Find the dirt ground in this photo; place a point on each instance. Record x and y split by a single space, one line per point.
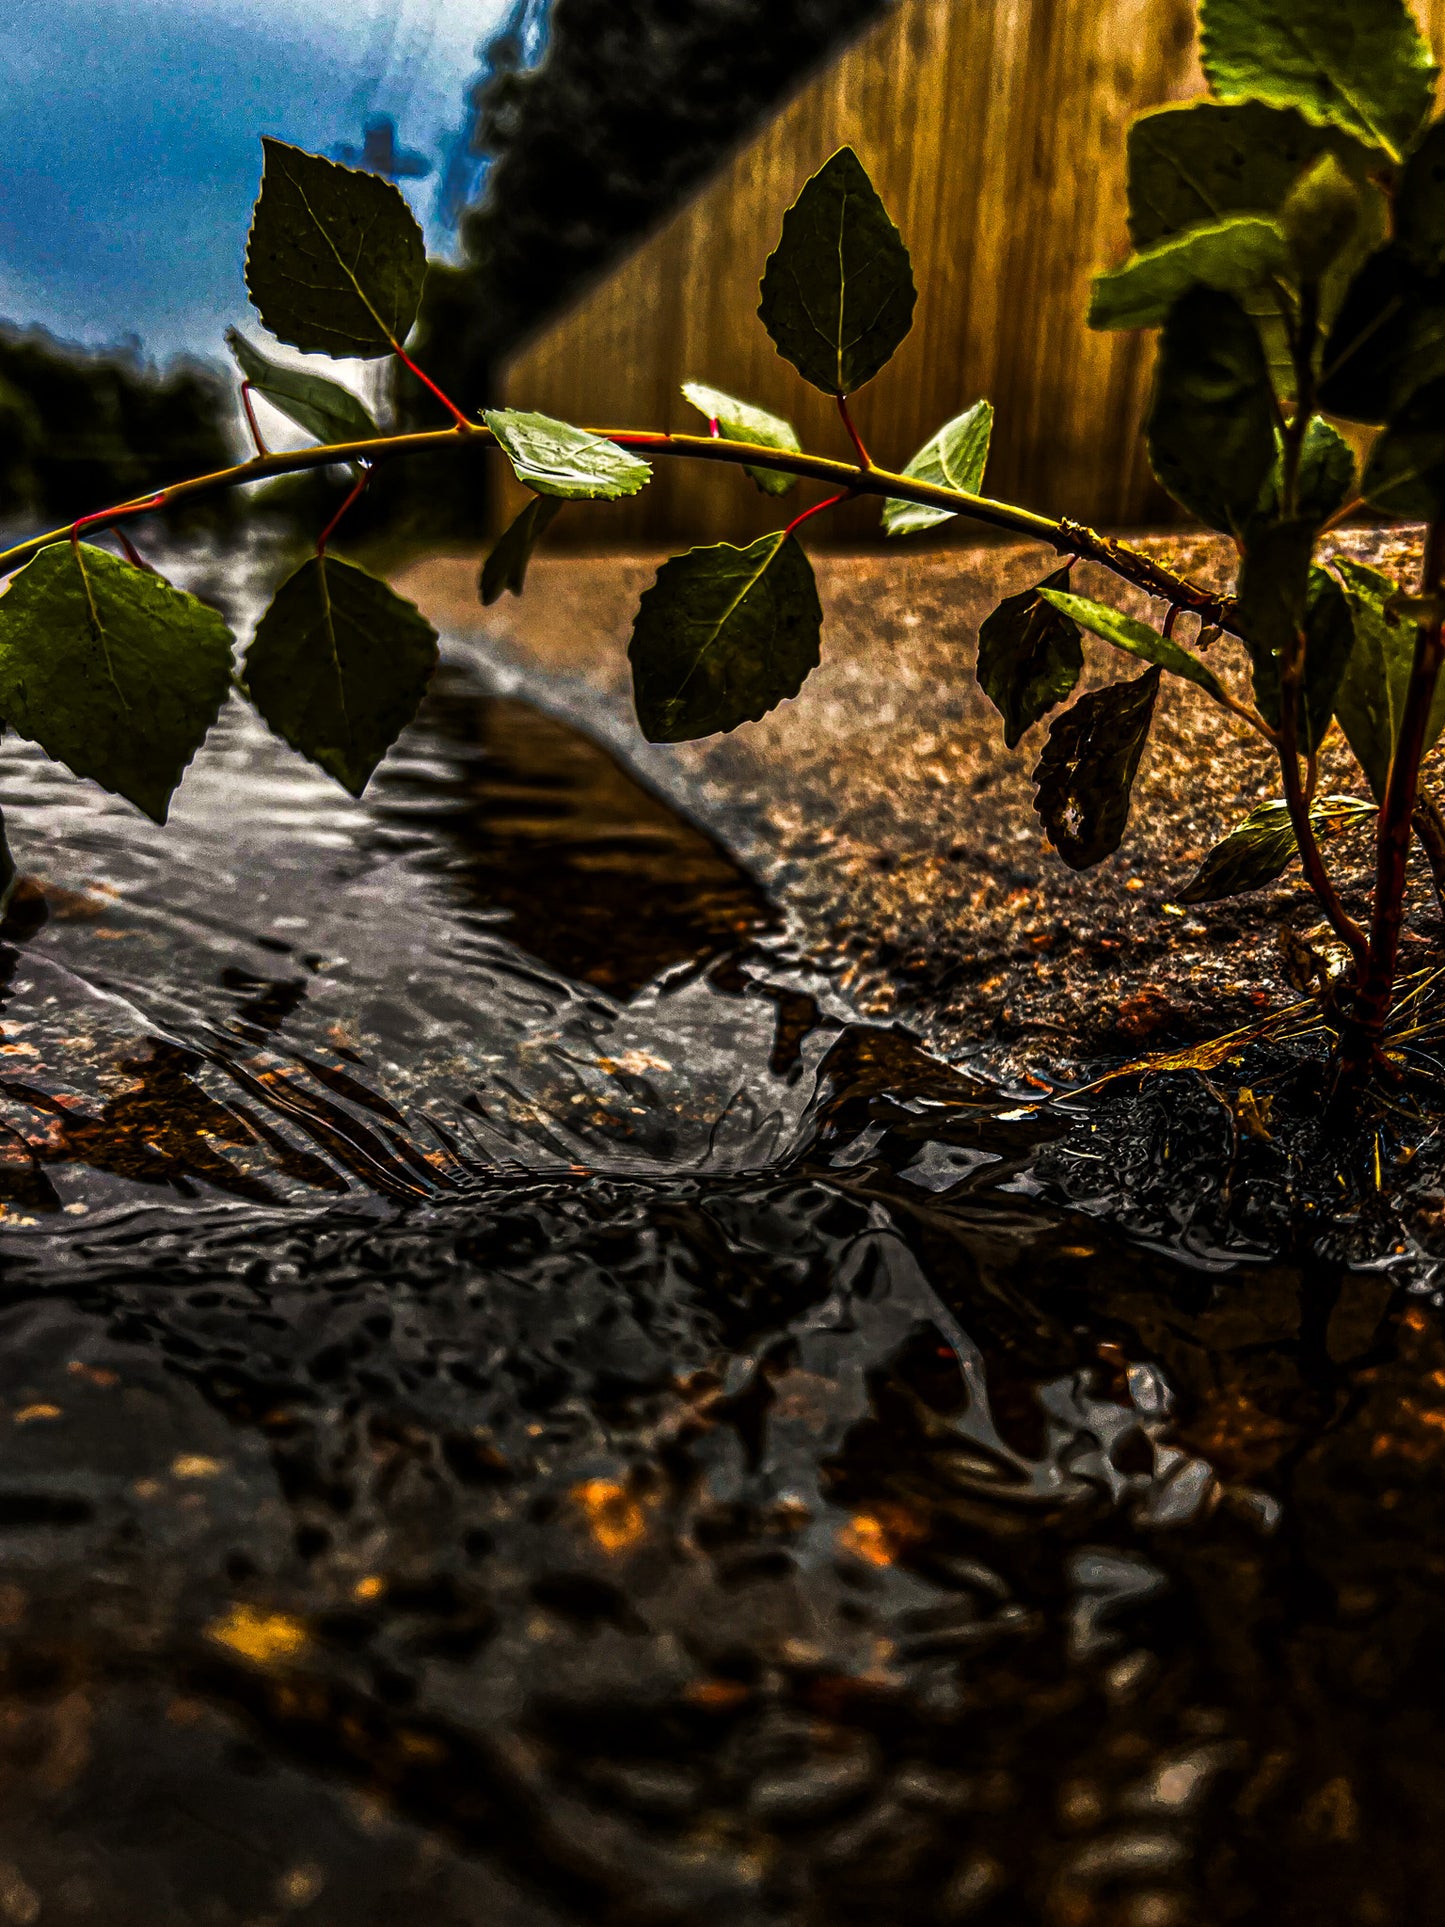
882 811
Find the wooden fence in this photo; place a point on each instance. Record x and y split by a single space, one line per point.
994 130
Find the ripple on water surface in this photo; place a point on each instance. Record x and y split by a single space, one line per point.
515 1409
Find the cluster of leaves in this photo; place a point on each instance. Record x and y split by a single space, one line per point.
1289 236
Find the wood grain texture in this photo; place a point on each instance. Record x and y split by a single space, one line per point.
994 130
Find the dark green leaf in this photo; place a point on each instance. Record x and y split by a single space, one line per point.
338 666
1387 340
112 671
722 637
1261 848
1135 638
740 421
554 458
1274 582
1370 700
954 458
335 260
1329 640
1320 215
1405 475
1420 204
1202 161
322 407
1086 773
1326 476
505 569
1235 255
1211 426
1360 65
1029 656
838 293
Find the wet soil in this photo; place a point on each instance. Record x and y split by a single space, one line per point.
527 1395
897 832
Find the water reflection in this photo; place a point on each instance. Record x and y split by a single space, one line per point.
512 1419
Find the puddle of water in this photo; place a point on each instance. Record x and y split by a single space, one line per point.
515 1408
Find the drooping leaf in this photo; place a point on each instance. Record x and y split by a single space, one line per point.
1405 474
554 458
322 407
1234 256
505 569
1135 638
338 665
1360 65
723 636
1388 339
1085 776
111 670
1202 161
1274 581
1325 479
1029 656
1262 848
1329 641
1370 700
1211 428
838 293
335 260
953 458
740 421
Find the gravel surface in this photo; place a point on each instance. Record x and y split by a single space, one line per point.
898 834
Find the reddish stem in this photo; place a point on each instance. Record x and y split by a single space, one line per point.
1171 619
111 516
864 458
261 448
133 554
331 527
426 381
817 509
714 427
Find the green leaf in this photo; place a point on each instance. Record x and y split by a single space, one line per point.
1211 428
322 407
1086 774
1320 215
1135 639
1370 701
338 666
1405 475
111 670
1360 65
838 293
1329 641
1235 255
553 458
740 421
1274 583
1388 340
722 637
1262 848
1325 479
335 260
1029 656
1201 161
954 458
505 569
1420 204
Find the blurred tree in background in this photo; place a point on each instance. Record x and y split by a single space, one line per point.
80 428
633 104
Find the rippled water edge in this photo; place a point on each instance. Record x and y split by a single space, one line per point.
517 1406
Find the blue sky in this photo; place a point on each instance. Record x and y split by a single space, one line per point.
130 152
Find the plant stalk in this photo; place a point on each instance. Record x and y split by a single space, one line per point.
1371 1005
